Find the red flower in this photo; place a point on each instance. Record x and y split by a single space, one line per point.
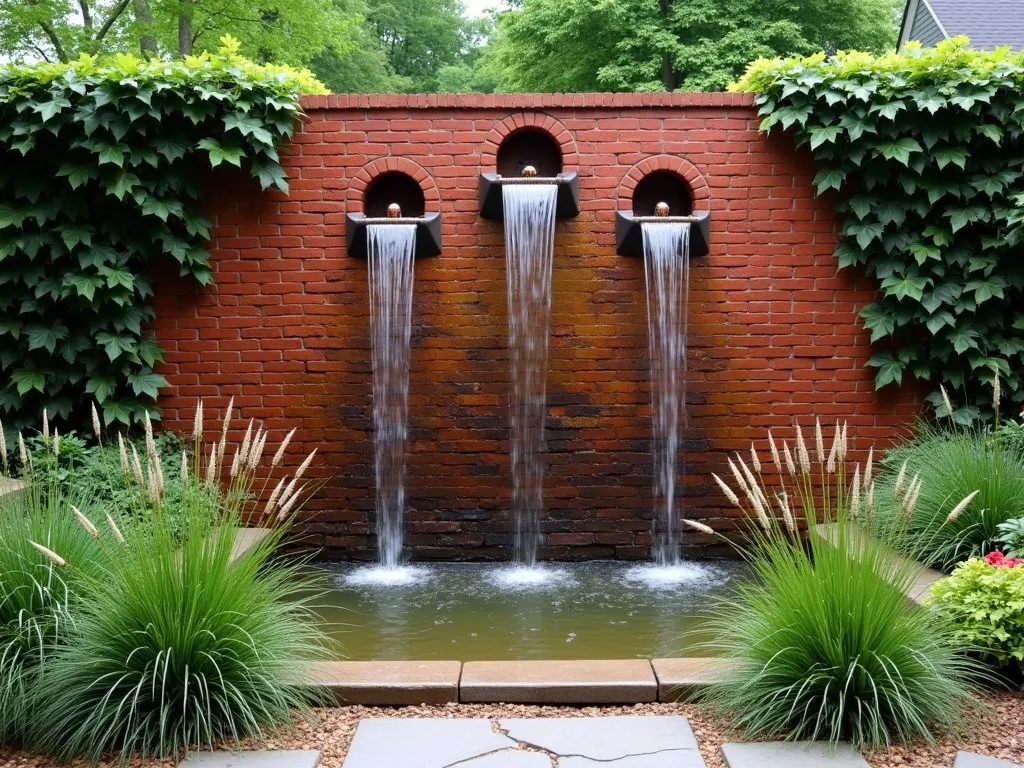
998 559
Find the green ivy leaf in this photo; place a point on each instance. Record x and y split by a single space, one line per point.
986 289
890 370
865 233
899 149
101 387
877 320
27 380
146 383
936 323
115 345
219 153
955 155
44 337
911 286
923 252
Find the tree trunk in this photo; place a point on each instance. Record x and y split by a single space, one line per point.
668 74
185 35
144 18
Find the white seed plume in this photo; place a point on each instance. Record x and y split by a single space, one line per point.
841 451
995 392
150 443
234 463
700 527
96 428
286 494
281 449
49 554
830 466
789 459
755 462
3 446
211 465
740 480
184 468
286 507
729 494
855 494
801 452
871 499
243 451
152 485
900 477
961 506
305 464
945 401
752 485
787 514
819 441
227 422
159 475
137 469
118 536
259 445
22 452
272 501
910 500
775 452
46 427
124 453
197 423
56 443
762 516
85 523
868 467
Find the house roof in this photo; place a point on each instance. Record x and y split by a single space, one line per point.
988 23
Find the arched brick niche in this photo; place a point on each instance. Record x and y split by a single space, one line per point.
544 135
663 178
392 177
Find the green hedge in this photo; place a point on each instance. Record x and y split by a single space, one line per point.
927 150
102 164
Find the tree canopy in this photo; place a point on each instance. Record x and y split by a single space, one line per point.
643 45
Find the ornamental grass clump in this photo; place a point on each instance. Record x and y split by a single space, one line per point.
955 461
824 644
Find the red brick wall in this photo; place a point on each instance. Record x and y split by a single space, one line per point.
773 331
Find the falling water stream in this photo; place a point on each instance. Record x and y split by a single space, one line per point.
529 245
667 270
390 250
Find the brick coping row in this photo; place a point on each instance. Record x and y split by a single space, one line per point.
524 100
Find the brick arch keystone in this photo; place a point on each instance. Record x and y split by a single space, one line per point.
369 172
683 168
523 120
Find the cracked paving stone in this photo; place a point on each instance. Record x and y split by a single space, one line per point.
792 754
509 758
622 742
426 743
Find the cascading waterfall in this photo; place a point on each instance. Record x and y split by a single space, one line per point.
390 249
529 244
667 272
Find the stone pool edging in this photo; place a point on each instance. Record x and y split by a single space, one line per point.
586 681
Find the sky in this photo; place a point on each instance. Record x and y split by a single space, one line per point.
476 7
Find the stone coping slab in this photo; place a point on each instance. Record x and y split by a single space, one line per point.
246 539
625 681
792 754
395 683
622 741
971 760
267 759
680 678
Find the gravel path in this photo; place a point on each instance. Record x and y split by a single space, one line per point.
331 731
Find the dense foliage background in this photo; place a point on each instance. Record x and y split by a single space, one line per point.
101 173
927 150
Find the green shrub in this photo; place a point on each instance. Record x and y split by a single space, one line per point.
824 643
985 602
926 147
103 164
1011 536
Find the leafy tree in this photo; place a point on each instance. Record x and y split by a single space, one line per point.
420 36
364 68
627 45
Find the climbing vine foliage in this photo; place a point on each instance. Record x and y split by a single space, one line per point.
102 164
926 150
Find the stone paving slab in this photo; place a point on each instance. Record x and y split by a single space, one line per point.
792 754
625 681
971 760
622 742
394 683
268 759
679 678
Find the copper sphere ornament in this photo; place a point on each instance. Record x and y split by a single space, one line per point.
529 171
394 211
661 209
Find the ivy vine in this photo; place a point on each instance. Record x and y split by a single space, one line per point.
102 169
926 148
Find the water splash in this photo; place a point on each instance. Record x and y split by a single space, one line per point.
390 250
529 246
667 271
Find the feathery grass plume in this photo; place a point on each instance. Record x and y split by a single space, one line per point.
789 459
819 441
123 452
85 522
279 454
869 503
152 485
801 452
699 527
151 454
830 465
272 501
900 479
197 423
755 462
49 554
945 402
910 500
97 429
243 451
3 449
959 508
23 453
753 485
286 506
305 464
184 467
995 393
729 494
234 463
821 645
224 428
46 428
842 450
259 446
118 536
775 452
868 468
211 466
855 494
137 469
56 444
740 480
287 492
